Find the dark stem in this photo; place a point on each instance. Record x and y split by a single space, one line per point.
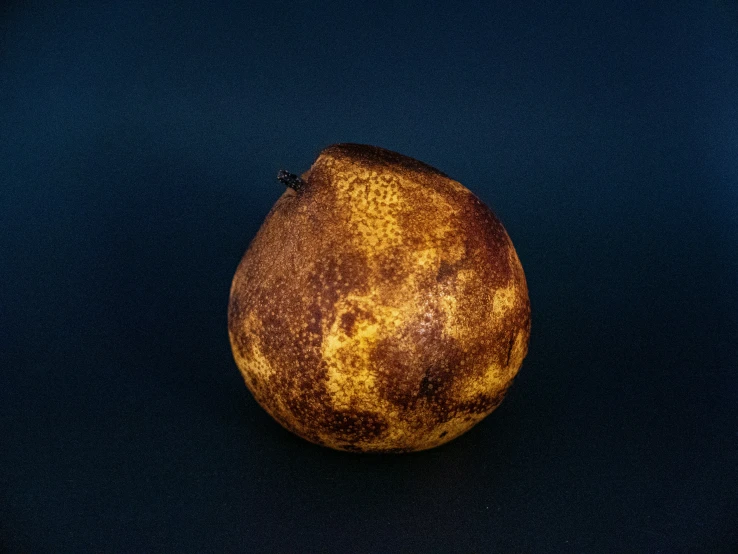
291 180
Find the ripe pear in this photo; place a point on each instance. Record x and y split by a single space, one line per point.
381 307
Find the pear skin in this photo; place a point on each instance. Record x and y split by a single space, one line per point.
381 307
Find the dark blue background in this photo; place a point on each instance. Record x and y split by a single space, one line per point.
138 153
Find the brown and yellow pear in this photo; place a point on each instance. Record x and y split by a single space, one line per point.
381 307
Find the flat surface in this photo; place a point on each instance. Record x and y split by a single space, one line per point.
140 145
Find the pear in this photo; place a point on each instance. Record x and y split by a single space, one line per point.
381 307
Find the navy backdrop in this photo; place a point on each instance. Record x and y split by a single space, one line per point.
139 144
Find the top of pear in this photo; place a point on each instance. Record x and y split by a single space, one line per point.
368 155
364 156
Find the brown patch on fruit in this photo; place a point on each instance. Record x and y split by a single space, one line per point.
510 345
352 426
486 241
347 322
420 366
389 271
446 271
482 403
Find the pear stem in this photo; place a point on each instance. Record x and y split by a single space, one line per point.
291 180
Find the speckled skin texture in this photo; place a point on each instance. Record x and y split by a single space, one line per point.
382 308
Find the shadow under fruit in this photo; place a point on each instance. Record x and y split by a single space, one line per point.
381 307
